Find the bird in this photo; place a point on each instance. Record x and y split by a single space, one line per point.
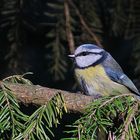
99 74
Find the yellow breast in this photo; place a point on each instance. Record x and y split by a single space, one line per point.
97 81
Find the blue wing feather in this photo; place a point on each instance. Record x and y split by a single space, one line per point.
121 78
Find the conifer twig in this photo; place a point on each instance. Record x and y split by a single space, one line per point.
68 27
85 25
128 121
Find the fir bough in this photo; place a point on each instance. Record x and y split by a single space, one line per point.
16 125
114 117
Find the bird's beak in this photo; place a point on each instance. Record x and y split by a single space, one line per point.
71 55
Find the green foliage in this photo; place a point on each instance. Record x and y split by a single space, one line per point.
113 117
12 20
18 79
57 35
16 125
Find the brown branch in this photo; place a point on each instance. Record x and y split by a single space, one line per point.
128 121
68 27
39 95
85 25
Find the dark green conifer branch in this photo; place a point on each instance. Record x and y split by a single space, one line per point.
114 117
16 125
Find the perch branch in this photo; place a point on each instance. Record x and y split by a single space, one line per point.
38 95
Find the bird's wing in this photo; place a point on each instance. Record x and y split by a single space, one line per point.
121 78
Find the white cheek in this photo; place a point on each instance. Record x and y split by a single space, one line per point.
85 61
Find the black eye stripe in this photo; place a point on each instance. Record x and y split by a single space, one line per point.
87 53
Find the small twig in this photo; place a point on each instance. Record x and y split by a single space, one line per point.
128 121
110 100
79 136
115 97
111 136
68 27
85 25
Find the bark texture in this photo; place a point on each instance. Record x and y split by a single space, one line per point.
35 94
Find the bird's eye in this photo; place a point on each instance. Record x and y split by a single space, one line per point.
84 53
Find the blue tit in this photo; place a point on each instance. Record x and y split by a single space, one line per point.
99 74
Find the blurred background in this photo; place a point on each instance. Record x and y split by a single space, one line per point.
37 36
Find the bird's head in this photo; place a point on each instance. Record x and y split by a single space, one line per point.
87 55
